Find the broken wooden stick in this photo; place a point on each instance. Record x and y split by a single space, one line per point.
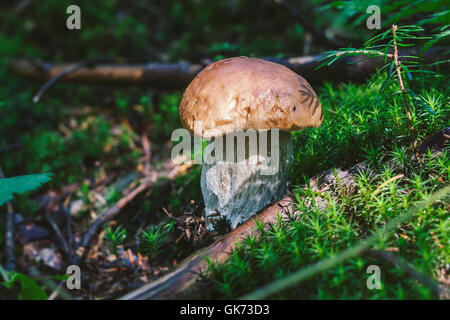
158 75
169 76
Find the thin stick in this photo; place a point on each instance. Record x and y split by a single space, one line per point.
51 284
90 62
381 186
9 236
402 88
59 235
111 212
105 216
68 229
9 240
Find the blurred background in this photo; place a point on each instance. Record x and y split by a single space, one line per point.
156 31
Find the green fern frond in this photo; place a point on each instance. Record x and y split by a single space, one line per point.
21 184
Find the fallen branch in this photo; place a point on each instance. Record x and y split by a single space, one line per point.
169 76
158 75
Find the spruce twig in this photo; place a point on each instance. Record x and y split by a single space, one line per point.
403 90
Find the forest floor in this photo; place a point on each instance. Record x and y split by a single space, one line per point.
119 208
101 149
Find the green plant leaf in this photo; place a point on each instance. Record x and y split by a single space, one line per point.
29 290
21 184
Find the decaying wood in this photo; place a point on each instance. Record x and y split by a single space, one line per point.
169 76
185 275
158 75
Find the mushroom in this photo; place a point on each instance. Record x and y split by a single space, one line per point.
227 100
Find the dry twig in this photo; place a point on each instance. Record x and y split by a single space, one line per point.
403 90
111 212
70 69
9 237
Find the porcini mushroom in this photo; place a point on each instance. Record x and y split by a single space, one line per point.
241 94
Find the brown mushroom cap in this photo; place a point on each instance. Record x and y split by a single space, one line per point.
248 93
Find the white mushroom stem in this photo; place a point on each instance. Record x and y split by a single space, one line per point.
236 191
